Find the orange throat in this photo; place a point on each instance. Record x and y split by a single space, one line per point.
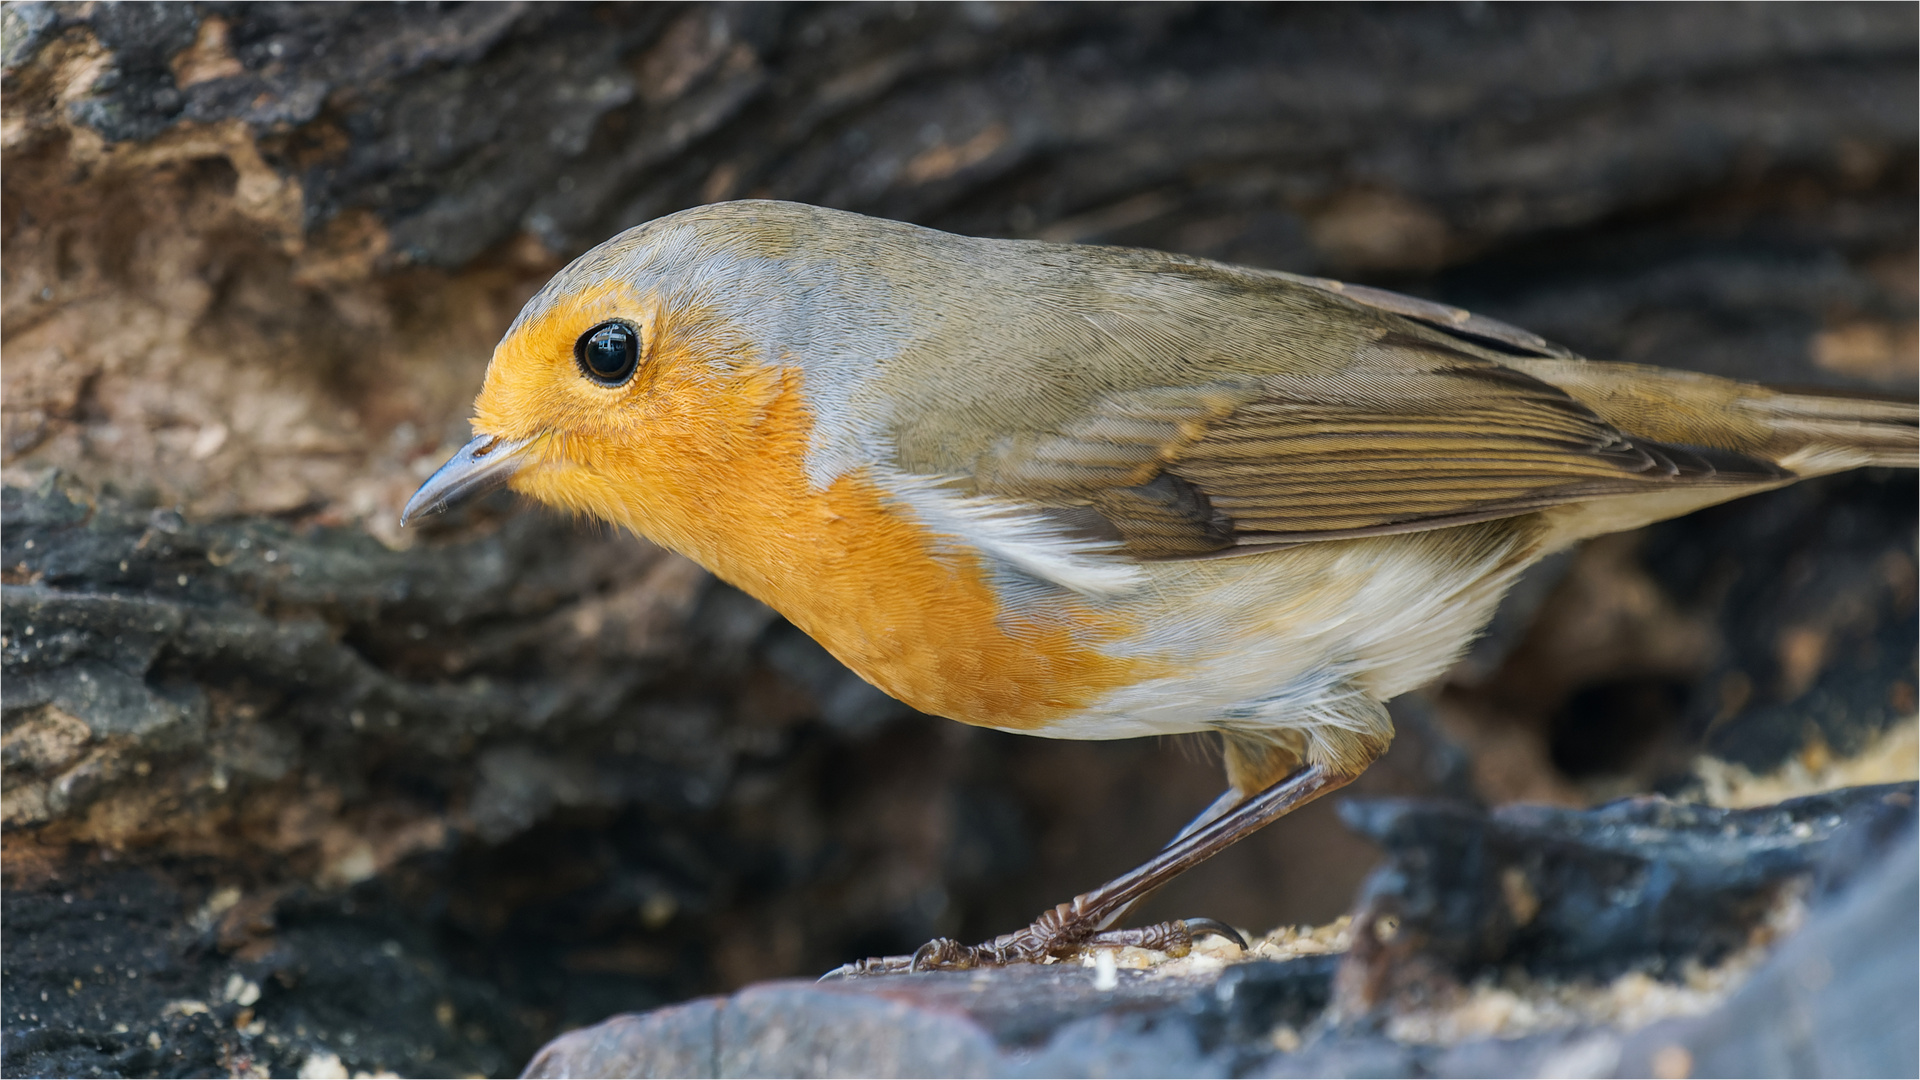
726 485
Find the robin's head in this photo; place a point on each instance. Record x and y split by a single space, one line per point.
666 348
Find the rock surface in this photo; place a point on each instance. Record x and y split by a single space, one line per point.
1641 886
263 751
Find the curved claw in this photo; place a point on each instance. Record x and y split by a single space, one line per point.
1197 927
873 965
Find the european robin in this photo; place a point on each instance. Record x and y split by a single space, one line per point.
1094 492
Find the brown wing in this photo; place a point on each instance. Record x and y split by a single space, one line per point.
1363 451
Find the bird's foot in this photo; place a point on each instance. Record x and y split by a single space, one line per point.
1074 927
1061 934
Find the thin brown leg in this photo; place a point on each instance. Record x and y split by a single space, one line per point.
1226 802
1074 926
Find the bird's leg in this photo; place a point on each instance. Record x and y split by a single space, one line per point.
1228 799
1077 925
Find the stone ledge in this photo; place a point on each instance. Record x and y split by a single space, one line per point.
1448 993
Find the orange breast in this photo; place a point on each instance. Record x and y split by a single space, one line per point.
720 477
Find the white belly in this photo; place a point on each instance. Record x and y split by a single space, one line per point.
1303 637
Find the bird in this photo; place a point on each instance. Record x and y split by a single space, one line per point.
1091 492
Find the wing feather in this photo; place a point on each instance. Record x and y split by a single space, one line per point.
1421 436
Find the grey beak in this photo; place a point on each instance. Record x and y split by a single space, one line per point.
485 463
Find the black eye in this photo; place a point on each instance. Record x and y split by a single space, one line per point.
608 352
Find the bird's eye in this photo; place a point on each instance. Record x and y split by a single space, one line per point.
608 352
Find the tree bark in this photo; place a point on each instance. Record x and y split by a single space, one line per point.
256 257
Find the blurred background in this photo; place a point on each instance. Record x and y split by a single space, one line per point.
282 780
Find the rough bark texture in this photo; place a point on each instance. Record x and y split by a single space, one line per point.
1688 870
284 785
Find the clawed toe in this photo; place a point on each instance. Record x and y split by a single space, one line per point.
1173 938
1202 927
1054 936
940 954
872 965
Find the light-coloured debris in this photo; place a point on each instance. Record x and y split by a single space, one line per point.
1517 1005
1893 757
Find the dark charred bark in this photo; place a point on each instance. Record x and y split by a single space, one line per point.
419 801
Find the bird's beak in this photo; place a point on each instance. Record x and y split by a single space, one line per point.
485 463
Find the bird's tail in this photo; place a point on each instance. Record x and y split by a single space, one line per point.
1809 432
1823 432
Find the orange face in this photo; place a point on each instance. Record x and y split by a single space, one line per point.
702 448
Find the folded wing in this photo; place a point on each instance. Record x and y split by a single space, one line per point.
1417 434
